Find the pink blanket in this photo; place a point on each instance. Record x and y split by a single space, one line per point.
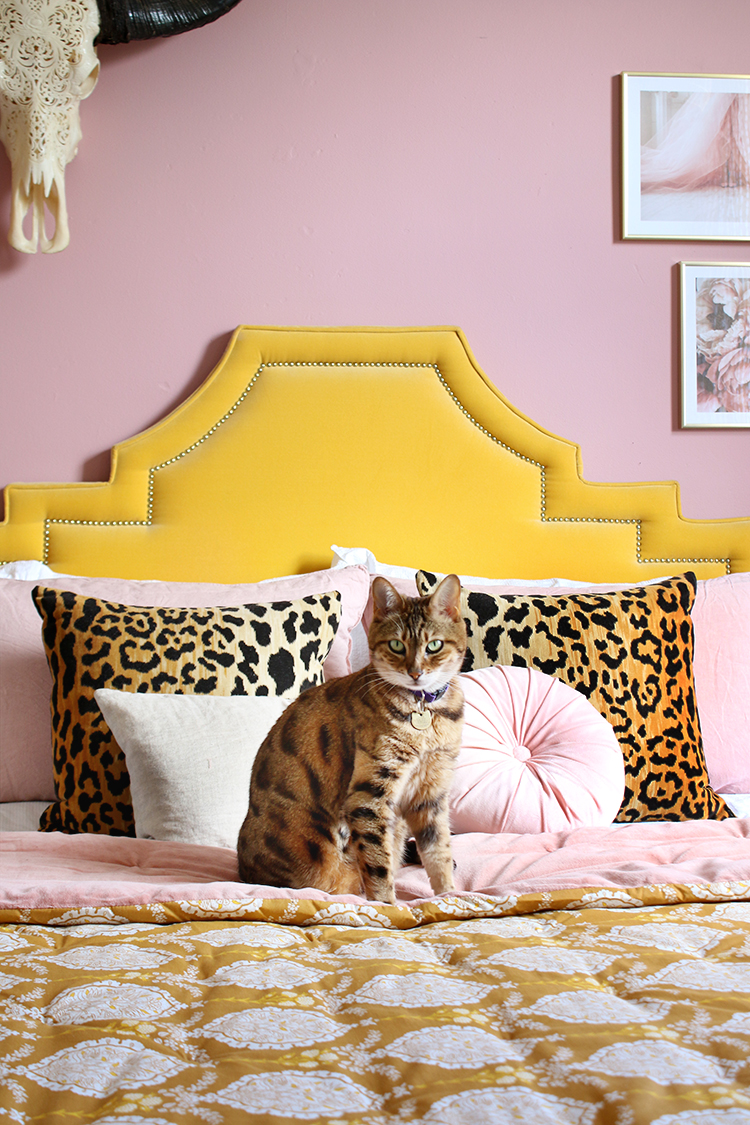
43 870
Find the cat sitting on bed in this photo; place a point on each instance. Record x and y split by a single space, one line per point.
356 764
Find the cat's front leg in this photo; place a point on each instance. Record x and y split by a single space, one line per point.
371 844
376 870
428 821
376 866
400 833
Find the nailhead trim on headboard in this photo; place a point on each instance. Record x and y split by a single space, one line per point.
361 363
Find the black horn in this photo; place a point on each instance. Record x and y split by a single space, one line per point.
123 20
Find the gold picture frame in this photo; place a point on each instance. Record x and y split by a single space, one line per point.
686 156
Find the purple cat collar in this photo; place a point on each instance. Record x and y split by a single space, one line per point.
431 696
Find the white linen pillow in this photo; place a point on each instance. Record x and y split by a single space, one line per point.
21 816
189 758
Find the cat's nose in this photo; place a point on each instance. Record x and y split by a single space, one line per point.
415 673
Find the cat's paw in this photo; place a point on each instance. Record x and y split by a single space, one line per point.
444 887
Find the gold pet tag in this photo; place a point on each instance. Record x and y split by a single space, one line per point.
421 719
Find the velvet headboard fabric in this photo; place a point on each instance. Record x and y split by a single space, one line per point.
384 437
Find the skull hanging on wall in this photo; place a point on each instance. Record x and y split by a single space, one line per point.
48 64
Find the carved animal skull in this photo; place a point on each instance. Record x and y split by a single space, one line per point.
48 64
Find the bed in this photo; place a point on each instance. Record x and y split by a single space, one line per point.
593 965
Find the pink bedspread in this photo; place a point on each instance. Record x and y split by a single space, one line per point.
43 870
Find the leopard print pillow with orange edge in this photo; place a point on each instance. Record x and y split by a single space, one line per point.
276 649
630 652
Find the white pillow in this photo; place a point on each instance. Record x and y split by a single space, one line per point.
345 556
189 758
26 568
362 556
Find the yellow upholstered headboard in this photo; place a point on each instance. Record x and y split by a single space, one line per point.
391 439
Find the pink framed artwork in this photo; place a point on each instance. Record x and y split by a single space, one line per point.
715 305
686 156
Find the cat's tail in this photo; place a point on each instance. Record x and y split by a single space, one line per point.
327 866
334 869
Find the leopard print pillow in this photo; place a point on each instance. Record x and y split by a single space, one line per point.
275 649
630 652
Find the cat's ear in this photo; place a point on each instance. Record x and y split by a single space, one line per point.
385 598
447 598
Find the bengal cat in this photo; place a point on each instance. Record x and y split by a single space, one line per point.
355 765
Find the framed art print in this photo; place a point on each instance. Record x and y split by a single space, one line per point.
686 156
715 302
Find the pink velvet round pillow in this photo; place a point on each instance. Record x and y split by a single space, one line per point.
536 756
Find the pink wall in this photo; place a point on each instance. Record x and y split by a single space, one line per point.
377 162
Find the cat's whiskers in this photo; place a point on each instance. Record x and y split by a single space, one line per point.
371 676
368 677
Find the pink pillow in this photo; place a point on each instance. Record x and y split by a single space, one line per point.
721 667
536 756
26 685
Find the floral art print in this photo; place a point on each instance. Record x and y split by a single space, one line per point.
715 345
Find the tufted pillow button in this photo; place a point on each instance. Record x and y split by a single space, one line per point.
521 753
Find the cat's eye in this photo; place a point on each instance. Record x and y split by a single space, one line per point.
433 646
397 647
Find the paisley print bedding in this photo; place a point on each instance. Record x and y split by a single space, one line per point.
614 1005
615 1010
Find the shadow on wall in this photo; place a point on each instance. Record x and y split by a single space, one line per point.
98 467
616 159
676 312
10 259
